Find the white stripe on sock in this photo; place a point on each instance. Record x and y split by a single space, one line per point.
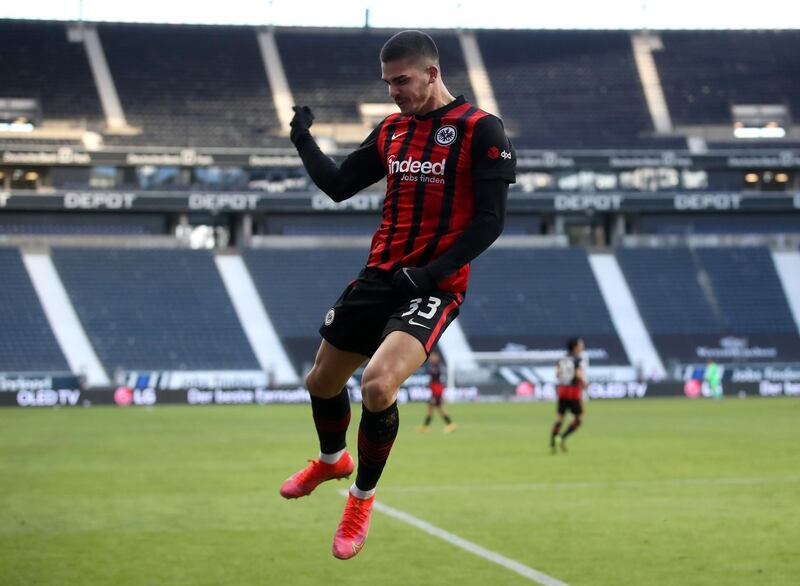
332 458
361 494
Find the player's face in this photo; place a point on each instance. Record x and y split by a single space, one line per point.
410 84
580 347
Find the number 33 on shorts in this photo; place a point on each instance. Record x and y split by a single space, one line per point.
422 309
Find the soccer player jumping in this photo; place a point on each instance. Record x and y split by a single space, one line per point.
447 166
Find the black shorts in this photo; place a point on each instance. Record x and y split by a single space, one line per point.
436 400
369 309
573 405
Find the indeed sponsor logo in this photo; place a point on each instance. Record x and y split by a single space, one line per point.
410 165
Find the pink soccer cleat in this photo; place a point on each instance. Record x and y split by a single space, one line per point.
353 528
304 482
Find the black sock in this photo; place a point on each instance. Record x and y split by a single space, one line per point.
554 432
573 426
331 418
447 419
376 434
427 421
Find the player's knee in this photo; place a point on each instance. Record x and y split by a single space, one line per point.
378 391
312 382
318 386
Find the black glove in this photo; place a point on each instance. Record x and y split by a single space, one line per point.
413 281
301 122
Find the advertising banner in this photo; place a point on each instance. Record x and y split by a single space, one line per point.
525 391
725 349
600 349
371 202
287 157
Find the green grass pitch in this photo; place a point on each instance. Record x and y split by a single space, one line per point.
654 492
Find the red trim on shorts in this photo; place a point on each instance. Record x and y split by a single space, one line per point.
442 320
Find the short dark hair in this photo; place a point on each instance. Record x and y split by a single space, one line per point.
572 343
412 45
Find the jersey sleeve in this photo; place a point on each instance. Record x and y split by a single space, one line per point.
493 155
360 169
363 166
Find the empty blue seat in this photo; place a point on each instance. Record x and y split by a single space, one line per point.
41 63
333 71
298 287
537 298
569 89
704 73
722 299
27 344
154 309
191 85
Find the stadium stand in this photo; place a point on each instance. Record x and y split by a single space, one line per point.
741 224
569 89
44 65
688 297
298 287
83 224
333 71
757 143
154 309
206 87
190 85
537 298
747 290
27 343
11 143
202 86
705 72
665 285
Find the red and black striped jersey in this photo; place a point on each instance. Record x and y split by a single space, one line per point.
431 163
569 386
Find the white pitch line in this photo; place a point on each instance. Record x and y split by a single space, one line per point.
473 548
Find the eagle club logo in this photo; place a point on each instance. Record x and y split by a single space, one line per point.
446 135
329 317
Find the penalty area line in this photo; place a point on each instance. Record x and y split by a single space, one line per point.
466 545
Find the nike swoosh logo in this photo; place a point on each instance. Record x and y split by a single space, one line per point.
395 135
405 272
416 323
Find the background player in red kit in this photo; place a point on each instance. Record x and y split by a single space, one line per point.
437 394
571 377
447 166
